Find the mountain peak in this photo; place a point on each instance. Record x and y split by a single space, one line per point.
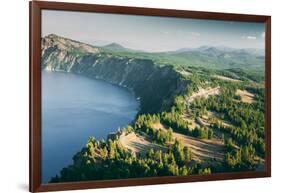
114 46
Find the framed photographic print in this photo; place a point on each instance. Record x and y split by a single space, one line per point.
123 96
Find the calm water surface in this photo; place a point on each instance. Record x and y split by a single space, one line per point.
73 109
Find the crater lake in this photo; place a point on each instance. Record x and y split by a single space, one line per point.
75 108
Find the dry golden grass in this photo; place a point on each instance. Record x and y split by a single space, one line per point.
246 96
138 143
202 149
204 92
227 78
157 125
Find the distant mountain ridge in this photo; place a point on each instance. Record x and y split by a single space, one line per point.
205 56
253 51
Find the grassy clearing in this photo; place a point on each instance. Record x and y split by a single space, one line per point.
204 92
202 149
226 78
246 96
139 144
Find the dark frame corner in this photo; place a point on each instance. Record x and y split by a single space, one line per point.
35 8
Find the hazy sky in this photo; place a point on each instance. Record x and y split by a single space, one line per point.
151 33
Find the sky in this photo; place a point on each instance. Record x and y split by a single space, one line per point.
150 33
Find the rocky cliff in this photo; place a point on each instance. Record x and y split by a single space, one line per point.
155 86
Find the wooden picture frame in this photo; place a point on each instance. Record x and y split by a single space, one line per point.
36 8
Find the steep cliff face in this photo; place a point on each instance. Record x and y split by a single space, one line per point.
155 86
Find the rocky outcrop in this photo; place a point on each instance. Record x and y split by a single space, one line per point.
154 85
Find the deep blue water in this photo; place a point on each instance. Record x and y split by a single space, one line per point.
73 109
